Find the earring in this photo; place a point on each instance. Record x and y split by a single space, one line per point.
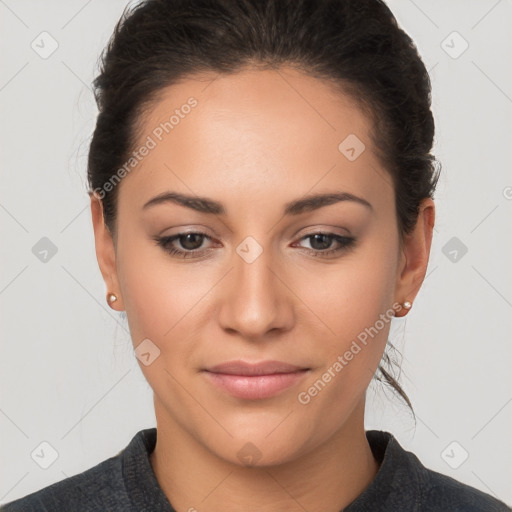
407 304
111 297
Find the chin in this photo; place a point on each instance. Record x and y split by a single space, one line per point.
261 454
264 444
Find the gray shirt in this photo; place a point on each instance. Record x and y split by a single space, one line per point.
126 482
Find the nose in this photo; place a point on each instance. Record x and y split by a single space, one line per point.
256 301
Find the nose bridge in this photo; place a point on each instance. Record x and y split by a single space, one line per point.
257 301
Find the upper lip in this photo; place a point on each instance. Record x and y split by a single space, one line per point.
261 368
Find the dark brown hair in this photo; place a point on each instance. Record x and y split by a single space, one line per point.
355 45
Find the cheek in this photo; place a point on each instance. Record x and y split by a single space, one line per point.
352 303
349 296
161 299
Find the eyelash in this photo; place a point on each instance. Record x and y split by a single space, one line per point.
166 241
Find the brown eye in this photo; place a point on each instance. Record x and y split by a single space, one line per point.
191 241
321 242
188 244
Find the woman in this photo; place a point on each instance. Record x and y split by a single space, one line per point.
261 190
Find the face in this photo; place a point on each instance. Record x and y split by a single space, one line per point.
259 274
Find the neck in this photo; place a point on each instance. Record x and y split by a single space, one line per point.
333 475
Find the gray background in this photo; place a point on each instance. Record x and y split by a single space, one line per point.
68 375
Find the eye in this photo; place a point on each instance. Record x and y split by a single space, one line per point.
190 242
320 243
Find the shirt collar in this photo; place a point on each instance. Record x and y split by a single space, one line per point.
396 485
140 480
398 482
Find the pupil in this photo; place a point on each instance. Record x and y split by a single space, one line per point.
193 244
325 238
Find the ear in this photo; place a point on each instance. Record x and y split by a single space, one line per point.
414 256
105 251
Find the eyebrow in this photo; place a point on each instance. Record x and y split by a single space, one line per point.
206 205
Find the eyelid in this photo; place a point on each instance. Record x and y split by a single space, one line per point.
312 230
346 242
325 229
192 228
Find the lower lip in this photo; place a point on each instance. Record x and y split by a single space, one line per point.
256 387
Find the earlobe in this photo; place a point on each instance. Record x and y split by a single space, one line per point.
105 250
415 254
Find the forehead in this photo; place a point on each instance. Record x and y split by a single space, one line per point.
276 131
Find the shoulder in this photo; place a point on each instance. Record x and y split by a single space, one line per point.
445 493
99 488
422 488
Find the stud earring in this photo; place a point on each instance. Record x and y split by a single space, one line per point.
111 297
407 304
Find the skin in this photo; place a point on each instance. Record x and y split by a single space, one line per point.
257 140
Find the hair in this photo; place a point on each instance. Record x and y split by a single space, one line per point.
354 45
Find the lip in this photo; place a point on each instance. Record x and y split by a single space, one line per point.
255 381
261 368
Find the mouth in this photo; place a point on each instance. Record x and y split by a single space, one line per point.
255 381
